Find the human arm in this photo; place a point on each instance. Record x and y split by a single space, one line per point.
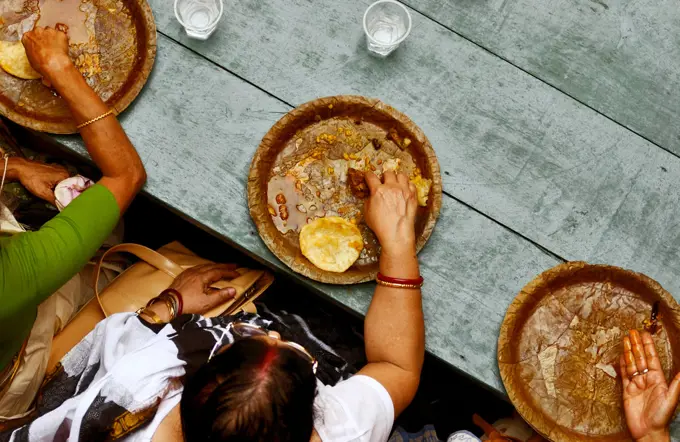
394 330
105 140
648 401
38 178
194 286
36 264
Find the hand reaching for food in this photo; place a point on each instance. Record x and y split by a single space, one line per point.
390 212
47 51
41 179
648 401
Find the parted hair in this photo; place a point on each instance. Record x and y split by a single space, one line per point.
253 391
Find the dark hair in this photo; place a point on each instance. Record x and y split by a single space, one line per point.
253 391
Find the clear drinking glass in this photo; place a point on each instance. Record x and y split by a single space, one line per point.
199 17
386 23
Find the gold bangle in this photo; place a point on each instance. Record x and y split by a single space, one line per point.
94 120
170 304
150 314
399 286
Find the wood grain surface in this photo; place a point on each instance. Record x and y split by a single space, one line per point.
621 57
516 151
511 146
197 145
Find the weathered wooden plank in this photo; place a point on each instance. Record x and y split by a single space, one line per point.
196 128
510 145
621 57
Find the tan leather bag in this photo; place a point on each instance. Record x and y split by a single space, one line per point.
143 281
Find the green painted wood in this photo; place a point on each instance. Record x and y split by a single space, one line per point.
197 127
510 145
621 57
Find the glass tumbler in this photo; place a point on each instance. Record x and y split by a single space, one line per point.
386 23
199 17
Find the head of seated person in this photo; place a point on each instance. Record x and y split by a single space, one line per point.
258 389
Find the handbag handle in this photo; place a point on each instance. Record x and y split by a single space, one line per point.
146 254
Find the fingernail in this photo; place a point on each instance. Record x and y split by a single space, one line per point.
231 291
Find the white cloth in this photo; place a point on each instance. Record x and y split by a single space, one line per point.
69 189
358 409
463 436
127 365
124 366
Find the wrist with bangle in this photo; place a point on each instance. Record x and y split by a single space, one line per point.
400 283
173 301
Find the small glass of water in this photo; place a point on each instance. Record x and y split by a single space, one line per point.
199 17
386 23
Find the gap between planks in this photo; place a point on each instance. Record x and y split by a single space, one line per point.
506 60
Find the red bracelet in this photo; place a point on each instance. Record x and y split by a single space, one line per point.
178 295
400 283
418 281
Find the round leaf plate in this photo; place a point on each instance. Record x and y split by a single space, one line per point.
116 61
560 344
333 129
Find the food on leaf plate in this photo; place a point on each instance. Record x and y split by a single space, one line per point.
13 60
318 189
422 189
332 243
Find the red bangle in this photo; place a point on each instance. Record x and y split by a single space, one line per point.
418 281
178 295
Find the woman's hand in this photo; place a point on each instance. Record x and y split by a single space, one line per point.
648 401
194 285
41 179
47 51
391 212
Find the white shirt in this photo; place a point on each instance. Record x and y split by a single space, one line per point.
358 409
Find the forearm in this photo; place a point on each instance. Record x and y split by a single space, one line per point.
394 327
105 140
16 167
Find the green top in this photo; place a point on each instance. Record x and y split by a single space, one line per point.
33 265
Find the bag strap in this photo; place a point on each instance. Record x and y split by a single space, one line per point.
146 254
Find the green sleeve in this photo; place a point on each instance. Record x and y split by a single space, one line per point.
35 264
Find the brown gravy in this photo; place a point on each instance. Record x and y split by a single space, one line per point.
65 12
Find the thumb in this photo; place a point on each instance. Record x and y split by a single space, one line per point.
222 295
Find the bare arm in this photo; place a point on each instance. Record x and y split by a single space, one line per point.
394 327
15 168
105 140
40 179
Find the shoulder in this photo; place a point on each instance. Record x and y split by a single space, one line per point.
358 409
